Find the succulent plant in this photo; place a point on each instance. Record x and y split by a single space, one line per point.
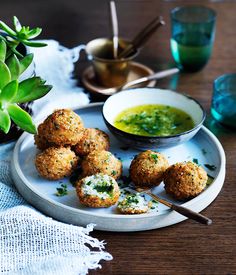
19 35
13 92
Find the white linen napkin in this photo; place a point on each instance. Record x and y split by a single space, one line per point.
55 64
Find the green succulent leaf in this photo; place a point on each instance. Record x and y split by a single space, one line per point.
5 75
23 33
5 121
3 50
2 38
14 66
14 50
25 62
16 23
31 89
7 29
21 118
34 33
9 91
33 43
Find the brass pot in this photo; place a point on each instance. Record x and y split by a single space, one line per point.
109 72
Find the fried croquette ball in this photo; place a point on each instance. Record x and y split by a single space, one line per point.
56 163
98 191
133 204
101 162
91 140
63 127
40 140
185 180
147 169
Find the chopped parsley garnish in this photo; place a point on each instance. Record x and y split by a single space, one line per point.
195 161
155 157
125 192
153 120
209 180
62 191
103 187
210 167
132 199
113 173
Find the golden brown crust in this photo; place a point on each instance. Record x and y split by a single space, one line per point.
101 162
96 201
63 127
40 139
147 169
92 140
56 163
132 211
185 180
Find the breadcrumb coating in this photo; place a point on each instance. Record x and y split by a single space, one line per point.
63 127
185 180
147 168
101 162
56 163
98 191
91 140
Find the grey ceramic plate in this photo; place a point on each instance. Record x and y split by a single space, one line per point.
41 193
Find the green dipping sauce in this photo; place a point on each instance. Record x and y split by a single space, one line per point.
153 120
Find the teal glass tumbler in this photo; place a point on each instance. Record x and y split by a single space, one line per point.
223 106
192 36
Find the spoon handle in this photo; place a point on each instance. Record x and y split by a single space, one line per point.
154 76
142 37
191 214
182 210
114 22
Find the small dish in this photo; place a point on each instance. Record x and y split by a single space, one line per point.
141 96
137 70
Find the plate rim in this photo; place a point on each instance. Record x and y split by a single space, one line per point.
15 166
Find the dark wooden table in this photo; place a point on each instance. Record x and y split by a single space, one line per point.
188 247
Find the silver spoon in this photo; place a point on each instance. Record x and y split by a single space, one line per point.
158 75
114 23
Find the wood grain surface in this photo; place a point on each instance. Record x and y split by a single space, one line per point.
188 247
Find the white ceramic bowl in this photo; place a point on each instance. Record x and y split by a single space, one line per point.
140 96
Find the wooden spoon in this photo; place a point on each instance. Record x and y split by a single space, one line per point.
143 36
180 209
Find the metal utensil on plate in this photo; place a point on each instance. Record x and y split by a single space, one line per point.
178 208
158 75
143 36
114 23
